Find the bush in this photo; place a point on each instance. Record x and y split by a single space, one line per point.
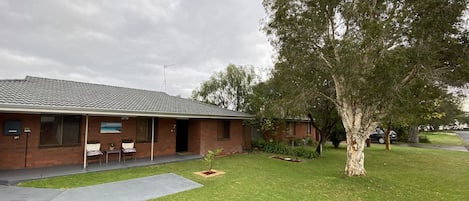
402 133
302 152
259 144
423 139
276 147
282 148
336 137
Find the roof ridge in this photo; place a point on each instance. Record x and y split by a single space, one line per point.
12 80
31 78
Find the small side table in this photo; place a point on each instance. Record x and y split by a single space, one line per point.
112 152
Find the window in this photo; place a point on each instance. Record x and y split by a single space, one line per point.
223 129
144 126
308 128
290 128
60 130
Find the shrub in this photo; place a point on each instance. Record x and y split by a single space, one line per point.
336 137
302 152
259 144
282 148
423 139
275 147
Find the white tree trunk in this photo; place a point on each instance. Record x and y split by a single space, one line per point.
358 125
355 165
357 118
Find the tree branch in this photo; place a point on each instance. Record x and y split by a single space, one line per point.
409 76
334 101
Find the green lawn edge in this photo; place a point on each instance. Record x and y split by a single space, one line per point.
442 138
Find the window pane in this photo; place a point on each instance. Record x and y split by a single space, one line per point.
144 130
223 129
226 132
49 128
60 130
71 130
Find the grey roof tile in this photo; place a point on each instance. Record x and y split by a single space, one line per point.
34 92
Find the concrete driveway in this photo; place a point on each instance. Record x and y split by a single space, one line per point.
129 190
464 135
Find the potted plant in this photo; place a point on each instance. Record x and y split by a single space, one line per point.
111 146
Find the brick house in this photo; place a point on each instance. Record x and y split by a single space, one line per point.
292 129
47 122
297 129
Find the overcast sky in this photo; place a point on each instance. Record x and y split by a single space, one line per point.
127 43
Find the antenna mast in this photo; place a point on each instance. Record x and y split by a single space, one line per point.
164 74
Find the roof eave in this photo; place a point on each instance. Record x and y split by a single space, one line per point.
104 112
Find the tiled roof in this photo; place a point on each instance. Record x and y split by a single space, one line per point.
44 94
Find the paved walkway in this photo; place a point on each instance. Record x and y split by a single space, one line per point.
463 134
429 146
135 189
12 177
129 190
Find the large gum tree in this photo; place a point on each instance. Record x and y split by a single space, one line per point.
370 50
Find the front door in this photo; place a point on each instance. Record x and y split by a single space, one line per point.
182 135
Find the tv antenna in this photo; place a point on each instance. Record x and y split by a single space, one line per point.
164 74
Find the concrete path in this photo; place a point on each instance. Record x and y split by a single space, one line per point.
430 146
13 177
14 193
465 136
129 190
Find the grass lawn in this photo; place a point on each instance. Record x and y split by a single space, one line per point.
442 138
404 173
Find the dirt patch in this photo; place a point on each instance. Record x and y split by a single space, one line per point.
212 173
296 160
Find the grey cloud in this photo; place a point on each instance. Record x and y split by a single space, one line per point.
126 43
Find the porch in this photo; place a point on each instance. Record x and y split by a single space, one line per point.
13 177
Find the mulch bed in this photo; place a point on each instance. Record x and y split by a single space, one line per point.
212 173
287 159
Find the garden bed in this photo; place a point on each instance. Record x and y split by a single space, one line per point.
287 159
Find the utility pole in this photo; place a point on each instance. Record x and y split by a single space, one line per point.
164 75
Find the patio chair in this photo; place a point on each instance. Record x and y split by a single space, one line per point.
128 149
93 150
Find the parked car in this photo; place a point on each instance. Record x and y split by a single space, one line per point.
379 136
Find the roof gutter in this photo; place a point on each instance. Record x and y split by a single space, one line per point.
116 113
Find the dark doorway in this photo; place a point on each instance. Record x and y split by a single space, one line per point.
182 135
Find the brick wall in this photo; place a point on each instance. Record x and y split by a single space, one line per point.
12 152
299 132
209 137
194 140
166 144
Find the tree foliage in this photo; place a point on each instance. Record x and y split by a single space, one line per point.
228 89
365 48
